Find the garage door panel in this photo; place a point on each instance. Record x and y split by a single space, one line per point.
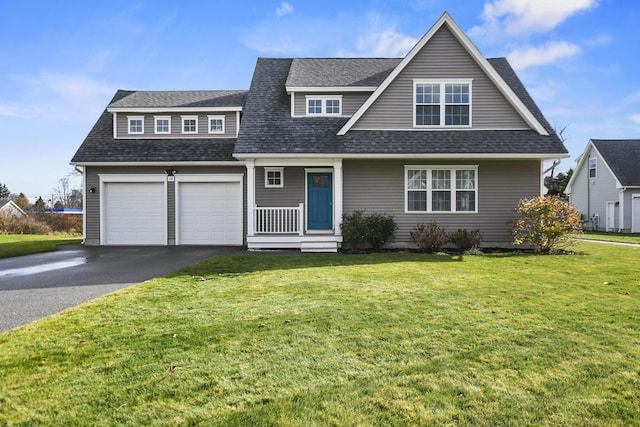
210 213
135 213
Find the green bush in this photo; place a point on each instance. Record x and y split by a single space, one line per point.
429 237
466 239
547 223
361 230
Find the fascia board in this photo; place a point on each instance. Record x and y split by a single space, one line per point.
171 109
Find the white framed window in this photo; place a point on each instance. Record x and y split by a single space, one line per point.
162 124
441 189
216 124
325 105
593 167
135 124
189 124
273 177
445 103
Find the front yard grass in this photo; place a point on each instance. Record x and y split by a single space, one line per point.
25 244
330 339
611 237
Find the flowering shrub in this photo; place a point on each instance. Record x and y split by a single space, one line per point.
547 223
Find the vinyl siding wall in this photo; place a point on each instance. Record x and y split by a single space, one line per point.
291 195
379 186
230 126
350 102
92 234
590 195
443 57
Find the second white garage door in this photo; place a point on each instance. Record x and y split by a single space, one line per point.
209 213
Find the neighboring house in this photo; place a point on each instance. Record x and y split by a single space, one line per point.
605 186
442 134
8 207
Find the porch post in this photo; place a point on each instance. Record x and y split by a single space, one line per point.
337 204
251 196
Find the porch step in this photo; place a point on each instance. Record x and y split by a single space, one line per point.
318 246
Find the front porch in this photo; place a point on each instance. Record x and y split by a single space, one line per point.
294 204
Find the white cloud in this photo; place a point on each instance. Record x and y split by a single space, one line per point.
385 43
546 54
284 9
635 118
516 17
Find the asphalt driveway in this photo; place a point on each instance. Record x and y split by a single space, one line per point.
35 286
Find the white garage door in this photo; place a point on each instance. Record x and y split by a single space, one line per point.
209 213
134 213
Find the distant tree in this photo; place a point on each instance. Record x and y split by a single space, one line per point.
67 196
39 205
4 192
21 200
75 199
558 184
58 205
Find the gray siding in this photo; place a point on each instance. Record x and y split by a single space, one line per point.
378 186
92 235
350 102
291 195
230 126
590 195
442 57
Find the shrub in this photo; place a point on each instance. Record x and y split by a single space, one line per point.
429 237
59 222
24 225
380 227
547 223
466 239
360 229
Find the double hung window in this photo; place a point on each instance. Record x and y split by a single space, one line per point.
442 104
441 188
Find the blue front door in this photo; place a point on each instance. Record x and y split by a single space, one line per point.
319 201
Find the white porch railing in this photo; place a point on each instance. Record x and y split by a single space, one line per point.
279 220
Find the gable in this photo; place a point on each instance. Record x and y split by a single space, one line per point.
443 57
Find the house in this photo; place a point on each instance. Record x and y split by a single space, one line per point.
605 185
9 207
443 134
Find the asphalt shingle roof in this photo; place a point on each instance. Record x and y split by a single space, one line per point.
181 99
337 72
623 157
100 146
268 127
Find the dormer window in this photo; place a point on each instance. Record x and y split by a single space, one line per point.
330 105
189 124
136 124
442 103
216 124
163 124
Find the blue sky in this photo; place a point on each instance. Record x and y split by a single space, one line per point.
61 62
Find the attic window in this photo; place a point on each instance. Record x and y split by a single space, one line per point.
136 124
593 167
329 105
216 124
189 124
163 124
442 103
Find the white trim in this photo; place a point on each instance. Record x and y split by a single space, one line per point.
634 213
155 124
323 105
266 177
621 209
301 161
132 118
217 117
595 167
85 191
338 196
251 197
608 217
474 53
543 189
265 156
106 178
429 189
183 119
115 125
152 110
293 104
324 89
221 177
442 83
237 123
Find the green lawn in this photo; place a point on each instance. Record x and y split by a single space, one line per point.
329 339
25 244
612 237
